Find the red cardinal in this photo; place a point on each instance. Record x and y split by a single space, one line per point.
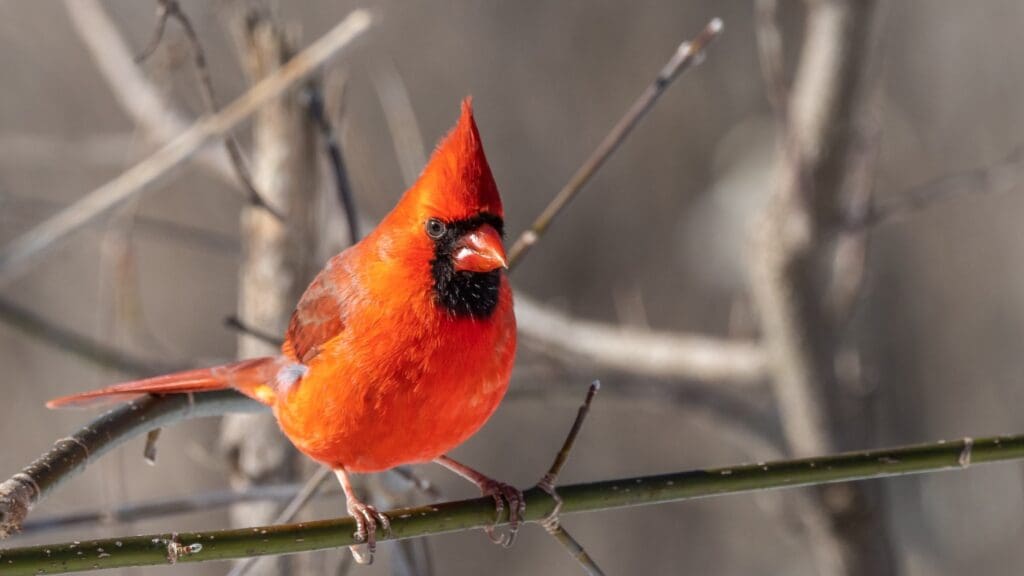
402 346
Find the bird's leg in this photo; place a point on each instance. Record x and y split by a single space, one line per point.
366 516
501 493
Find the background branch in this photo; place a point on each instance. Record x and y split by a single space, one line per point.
19 255
70 455
687 55
816 165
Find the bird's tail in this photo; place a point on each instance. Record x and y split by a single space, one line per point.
254 378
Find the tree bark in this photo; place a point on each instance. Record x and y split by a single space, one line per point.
277 259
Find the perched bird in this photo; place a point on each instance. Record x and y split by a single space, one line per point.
401 348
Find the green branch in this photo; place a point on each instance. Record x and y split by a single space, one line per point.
157 549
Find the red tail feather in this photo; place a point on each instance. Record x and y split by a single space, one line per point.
245 376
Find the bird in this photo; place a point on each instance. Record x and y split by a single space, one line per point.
400 349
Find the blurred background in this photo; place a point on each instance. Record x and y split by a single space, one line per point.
662 241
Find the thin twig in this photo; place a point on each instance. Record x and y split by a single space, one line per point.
769 51
816 163
144 103
82 346
1000 177
563 455
153 549
333 147
687 55
308 491
233 322
551 524
171 9
406 136
18 256
163 13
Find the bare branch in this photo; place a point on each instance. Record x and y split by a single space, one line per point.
82 346
640 351
301 498
817 163
398 113
159 120
769 50
551 524
686 56
17 257
332 144
997 178
72 454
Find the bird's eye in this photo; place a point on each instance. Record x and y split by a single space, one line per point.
436 228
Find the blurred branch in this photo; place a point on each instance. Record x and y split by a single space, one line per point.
332 144
277 256
18 256
232 322
398 113
17 208
1000 177
34 150
169 548
82 347
72 454
302 497
817 163
140 99
170 9
640 351
687 55
135 512
769 50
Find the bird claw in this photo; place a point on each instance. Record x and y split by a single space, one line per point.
502 493
367 518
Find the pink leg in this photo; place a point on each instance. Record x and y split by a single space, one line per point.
497 490
367 517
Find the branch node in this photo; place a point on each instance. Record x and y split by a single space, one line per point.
176 550
965 455
17 494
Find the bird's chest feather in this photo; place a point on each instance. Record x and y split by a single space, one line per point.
415 384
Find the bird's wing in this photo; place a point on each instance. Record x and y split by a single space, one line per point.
320 314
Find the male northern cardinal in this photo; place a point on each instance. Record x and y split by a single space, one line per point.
402 346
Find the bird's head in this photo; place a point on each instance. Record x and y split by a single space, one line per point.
453 217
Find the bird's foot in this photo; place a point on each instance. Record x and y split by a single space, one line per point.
502 494
367 518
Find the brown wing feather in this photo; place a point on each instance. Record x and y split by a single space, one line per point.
320 313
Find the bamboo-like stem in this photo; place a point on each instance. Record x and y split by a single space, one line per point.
169 548
685 57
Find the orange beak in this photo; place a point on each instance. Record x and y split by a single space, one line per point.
480 251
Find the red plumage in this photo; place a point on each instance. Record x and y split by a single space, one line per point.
376 370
